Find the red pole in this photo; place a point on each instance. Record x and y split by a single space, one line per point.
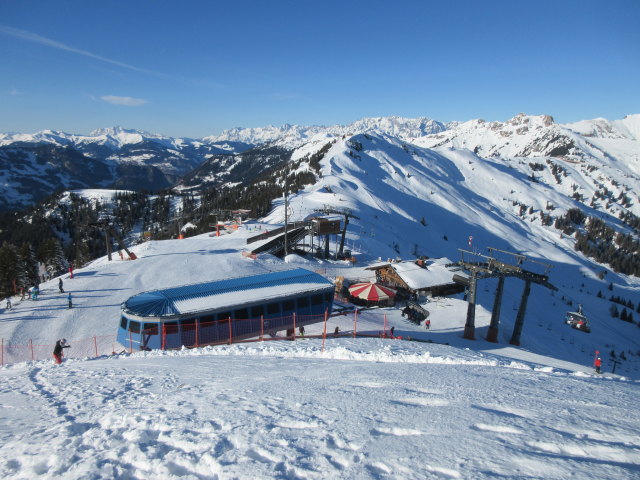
294 326
262 328
230 332
164 336
31 347
197 333
324 332
95 344
355 323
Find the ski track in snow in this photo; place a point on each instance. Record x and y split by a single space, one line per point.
197 414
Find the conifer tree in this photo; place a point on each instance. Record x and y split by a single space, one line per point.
28 266
53 257
8 268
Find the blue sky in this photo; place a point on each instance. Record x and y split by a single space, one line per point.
196 68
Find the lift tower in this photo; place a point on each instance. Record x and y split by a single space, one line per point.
347 213
488 266
110 231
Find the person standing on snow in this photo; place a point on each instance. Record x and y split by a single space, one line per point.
427 324
598 364
60 285
70 302
393 330
58 349
9 306
302 330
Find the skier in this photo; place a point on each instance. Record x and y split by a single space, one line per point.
302 330
57 350
70 302
598 364
427 324
336 332
35 291
60 285
392 330
9 306
71 271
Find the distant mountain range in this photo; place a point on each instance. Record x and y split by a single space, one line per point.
33 166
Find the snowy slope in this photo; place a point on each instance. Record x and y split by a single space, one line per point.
365 409
362 408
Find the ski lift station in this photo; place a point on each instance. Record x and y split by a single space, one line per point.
224 311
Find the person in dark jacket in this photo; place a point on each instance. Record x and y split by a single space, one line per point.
58 349
60 285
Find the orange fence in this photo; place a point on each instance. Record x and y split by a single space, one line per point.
351 324
80 348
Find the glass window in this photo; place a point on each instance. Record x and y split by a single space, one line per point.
257 311
288 305
241 314
134 326
171 327
273 308
303 302
151 328
328 296
316 300
123 323
207 320
224 315
188 324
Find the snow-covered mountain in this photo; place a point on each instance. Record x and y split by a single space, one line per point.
136 159
33 166
295 135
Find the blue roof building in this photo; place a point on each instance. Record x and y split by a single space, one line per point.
225 310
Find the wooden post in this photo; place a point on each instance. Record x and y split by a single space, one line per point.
324 331
492 333
164 336
262 328
470 326
95 344
517 328
230 332
355 323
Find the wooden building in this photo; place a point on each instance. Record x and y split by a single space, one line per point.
433 277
